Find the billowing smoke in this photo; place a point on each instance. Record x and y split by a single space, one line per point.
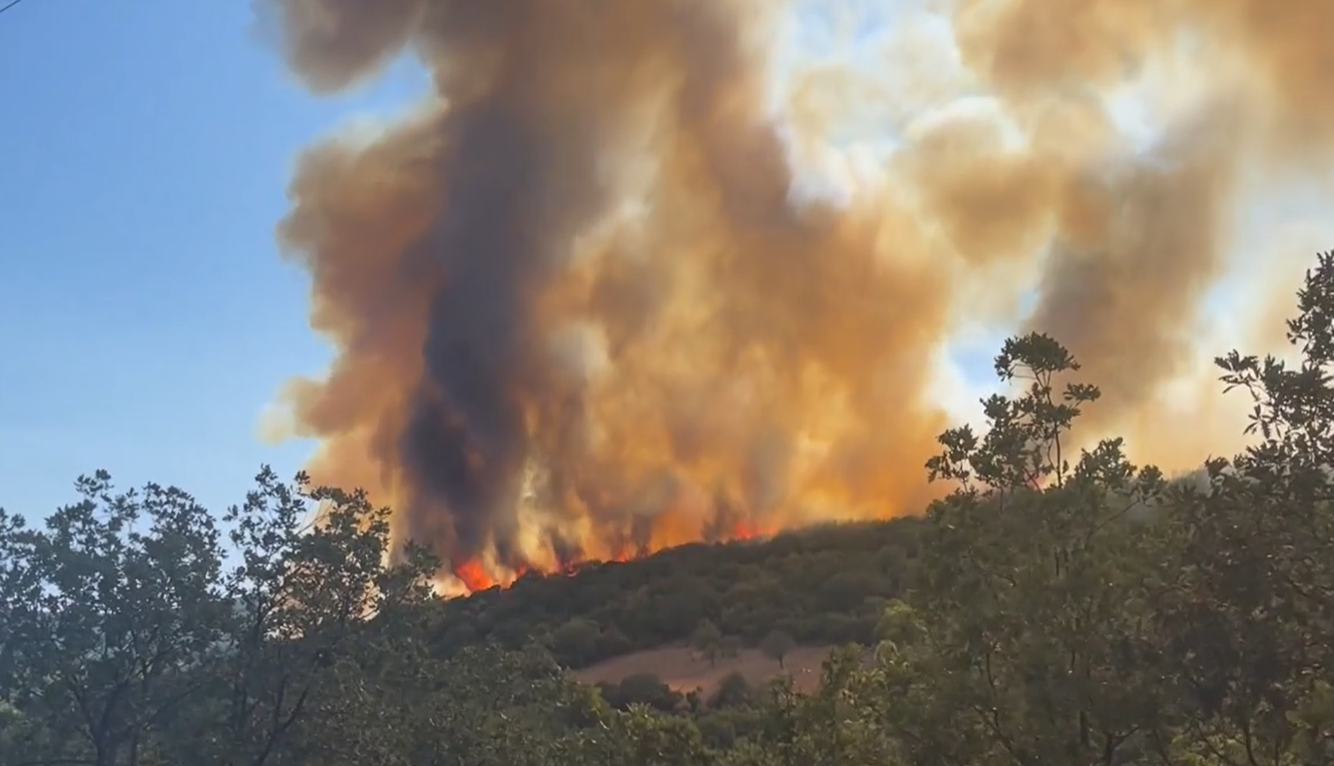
582 307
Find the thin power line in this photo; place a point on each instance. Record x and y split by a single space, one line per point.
9 5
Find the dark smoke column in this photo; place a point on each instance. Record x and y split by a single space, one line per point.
529 88
466 443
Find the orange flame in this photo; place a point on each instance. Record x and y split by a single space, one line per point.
746 530
476 576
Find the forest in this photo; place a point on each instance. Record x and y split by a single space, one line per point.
1055 609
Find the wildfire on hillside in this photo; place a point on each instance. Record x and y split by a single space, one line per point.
476 576
588 302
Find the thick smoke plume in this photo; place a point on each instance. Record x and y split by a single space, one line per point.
582 310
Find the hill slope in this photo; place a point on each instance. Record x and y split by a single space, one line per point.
824 585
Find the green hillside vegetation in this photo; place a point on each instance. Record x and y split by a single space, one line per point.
1054 610
821 586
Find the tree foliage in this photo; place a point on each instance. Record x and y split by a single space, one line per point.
777 645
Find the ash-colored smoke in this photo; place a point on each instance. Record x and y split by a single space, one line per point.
580 311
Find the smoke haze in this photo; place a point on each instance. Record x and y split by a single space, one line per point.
592 298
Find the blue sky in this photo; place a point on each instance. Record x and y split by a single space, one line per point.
145 316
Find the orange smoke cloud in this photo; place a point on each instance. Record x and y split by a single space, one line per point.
581 313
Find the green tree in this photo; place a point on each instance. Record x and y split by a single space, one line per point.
836 725
106 617
300 600
486 706
576 642
122 641
642 737
1254 597
644 689
733 691
708 641
1027 639
777 645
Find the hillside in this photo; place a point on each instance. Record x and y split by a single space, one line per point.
822 586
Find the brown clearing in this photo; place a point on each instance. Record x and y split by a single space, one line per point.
682 670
